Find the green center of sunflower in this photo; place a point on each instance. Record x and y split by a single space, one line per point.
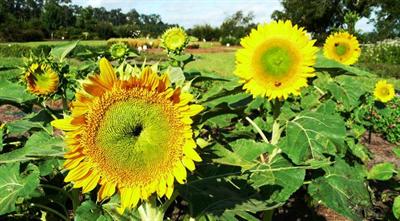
341 49
42 79
175 40
276 61
385 91
134 134
118 51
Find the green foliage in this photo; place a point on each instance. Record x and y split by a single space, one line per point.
382 171
16 187
396 207
342 188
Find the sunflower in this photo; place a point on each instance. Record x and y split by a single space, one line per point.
342 47
118 50
384 91
129 136
41 79
276 60
174 39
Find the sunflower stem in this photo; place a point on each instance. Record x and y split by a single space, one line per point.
166 205
50 210
64 101
149 211
48 110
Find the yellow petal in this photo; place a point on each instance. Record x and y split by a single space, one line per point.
106 190
91 182
188 163
107 74
190 152
194 109
65 124
77 173
180 173
169 192
162 187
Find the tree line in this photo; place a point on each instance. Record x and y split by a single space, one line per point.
33 20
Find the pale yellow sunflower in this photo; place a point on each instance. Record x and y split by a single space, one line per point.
342 47
174 39
41 79
129 136
276 60
384 91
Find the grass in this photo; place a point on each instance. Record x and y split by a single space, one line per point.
220 63
37 43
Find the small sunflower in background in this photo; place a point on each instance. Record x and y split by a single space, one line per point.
276 60
41 79
384 91
118 50
131 137
342 47
175 40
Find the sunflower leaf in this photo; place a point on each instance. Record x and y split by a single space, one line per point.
311 135
39 145
342 189
61 51
14 185
14 92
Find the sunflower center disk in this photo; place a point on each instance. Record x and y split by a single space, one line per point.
385 91
136 141
340 49
276 61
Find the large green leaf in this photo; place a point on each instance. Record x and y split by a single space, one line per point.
221 196
342 189
244 153
14 92
15 186
381 171
310 135
347 91
61 51
1 137
281 172
396 207
33 120
326 63
39 145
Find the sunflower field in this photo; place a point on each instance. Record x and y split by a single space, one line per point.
295 130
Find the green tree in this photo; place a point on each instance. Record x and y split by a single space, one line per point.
320 16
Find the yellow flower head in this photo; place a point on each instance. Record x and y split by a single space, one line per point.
41 79
118 50
175 39
276 60
129 136
342 47
384 91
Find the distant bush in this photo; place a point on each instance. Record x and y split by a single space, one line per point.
14 50
135 42
193 46
387 51
230 40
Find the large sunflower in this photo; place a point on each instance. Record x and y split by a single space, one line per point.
41 79
129 136
384 91
174 39
276 60
342 47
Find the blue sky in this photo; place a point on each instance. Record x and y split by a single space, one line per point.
190 12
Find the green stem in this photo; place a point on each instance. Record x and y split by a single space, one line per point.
64 100
48 110
265 139
75 199
166 205
267 215
50 210
58 189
